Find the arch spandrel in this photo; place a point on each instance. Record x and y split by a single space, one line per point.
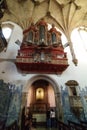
44 77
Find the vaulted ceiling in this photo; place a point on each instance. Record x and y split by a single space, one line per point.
65 14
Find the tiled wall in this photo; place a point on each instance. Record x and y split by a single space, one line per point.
10 102
67 111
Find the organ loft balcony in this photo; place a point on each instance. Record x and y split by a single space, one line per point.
41 50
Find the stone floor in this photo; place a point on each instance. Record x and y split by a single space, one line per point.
43 128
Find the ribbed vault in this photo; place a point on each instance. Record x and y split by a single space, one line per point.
65 14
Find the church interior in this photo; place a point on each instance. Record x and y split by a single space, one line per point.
43 66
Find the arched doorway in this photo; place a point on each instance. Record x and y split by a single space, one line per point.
40 94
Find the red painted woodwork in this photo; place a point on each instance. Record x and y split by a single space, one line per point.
41 50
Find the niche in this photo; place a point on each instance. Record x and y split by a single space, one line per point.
39 94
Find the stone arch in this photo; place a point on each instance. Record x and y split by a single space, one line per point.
56 89
45 77
11 25
14 36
